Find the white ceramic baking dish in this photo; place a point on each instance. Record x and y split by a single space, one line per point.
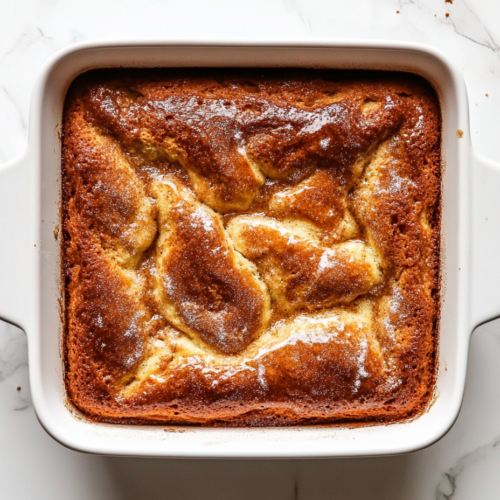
30 288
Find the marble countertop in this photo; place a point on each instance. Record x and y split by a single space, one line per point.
462 466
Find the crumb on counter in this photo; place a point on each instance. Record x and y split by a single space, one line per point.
460 133
448 1
447 14
18 388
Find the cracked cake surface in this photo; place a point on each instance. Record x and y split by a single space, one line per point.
251 247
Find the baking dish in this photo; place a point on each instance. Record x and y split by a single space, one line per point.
30 287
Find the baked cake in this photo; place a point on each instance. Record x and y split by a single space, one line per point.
251 247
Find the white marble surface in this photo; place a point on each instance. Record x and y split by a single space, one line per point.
464 465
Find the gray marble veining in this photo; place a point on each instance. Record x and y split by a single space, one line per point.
14 368
466 23
448 485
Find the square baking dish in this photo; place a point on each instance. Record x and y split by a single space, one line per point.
30 277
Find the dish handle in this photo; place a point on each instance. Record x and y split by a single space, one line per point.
485 240
14 234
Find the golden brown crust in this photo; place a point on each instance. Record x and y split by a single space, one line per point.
300 274
205 288
251 247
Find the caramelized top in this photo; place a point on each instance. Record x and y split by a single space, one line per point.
299 273
251 247
227 136
202 279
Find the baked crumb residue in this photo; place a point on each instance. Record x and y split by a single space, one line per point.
251 247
